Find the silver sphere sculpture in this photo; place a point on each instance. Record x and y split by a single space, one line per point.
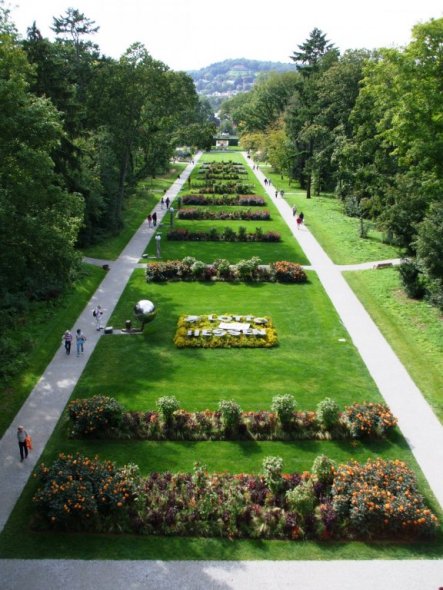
145 311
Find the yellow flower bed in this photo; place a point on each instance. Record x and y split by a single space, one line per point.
225 331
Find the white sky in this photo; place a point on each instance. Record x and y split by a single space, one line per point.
190 34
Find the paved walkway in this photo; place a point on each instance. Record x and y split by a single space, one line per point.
45 404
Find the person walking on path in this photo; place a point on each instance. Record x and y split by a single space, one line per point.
300 220
294 210
282 193
149 220
67 341
97 313
21 437
167 201
154 219
162 203
276 194
80 339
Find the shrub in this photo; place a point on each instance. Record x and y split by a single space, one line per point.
231 415
412 279
79 493
198 269
223 267
288 272
381 498
328 413
284 406
369 420
323 469
94 416
272 471
166 406
302 498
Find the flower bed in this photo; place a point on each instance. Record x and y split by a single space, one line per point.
81 494
227 235
231 200
246 214
190 269
210 331
282 423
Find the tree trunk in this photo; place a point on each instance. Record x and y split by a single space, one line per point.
308 186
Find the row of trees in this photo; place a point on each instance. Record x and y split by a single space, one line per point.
367 125
78 130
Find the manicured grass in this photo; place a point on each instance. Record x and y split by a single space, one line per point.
136 209
287 249
44 326
413 328
310 361
336 233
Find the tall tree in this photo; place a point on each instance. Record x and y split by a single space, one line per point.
312 52
39 220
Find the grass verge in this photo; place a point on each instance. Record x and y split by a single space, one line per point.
43 328
413 328
337 234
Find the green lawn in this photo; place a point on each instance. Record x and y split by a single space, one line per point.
337 233
43 327
287 249
311 362
413 328
136 209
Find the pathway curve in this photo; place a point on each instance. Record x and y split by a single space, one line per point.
46 402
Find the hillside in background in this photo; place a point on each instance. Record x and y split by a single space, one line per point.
226 78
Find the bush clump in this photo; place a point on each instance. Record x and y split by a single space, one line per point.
95 416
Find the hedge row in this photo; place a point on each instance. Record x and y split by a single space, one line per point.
227 235
104 417
378 500
231 200
245 214
190 269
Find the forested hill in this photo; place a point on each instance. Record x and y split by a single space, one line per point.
231 76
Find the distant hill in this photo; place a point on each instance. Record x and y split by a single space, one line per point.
224 79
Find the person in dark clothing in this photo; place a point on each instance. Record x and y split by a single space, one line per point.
21 437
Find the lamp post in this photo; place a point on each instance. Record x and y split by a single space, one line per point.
157 244
171 220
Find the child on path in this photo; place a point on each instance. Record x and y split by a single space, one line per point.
21 437
149 220
80 340
67 340
162 203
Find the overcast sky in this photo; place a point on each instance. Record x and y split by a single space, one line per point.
190 34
